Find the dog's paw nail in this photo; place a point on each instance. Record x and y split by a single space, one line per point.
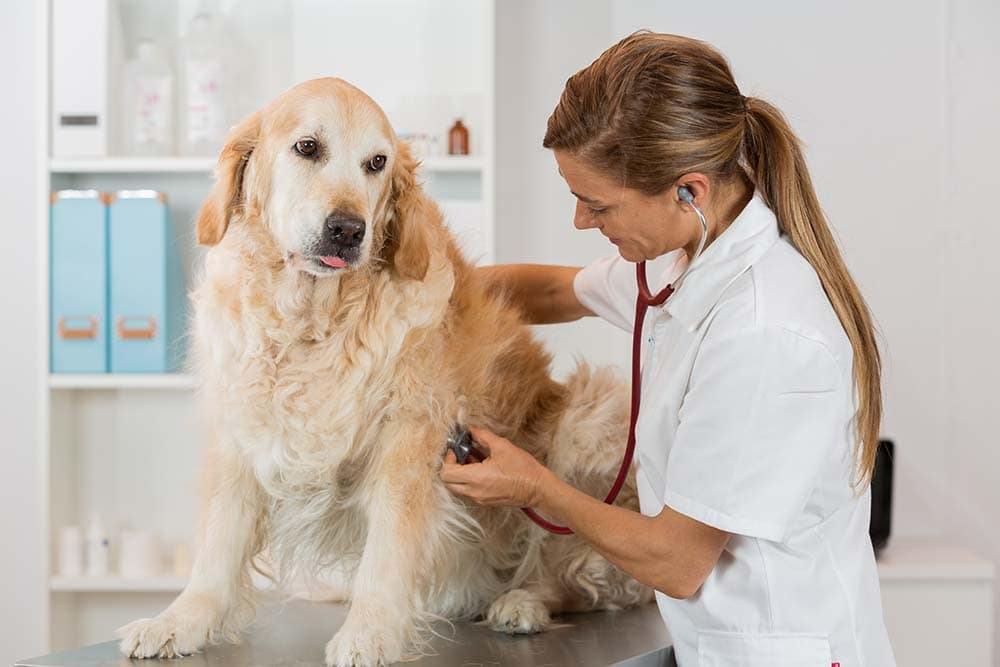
365 647
518 612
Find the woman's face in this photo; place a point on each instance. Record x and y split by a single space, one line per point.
642 226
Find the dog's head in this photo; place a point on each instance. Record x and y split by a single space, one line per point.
321 170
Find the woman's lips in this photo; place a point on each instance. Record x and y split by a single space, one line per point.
615 241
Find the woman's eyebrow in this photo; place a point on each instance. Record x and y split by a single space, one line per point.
585 200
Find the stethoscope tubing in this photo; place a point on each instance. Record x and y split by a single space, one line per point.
643 301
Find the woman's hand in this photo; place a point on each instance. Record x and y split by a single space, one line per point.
508 476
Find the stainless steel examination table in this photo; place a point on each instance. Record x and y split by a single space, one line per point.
296 633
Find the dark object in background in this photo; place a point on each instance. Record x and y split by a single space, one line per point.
881 519
458 139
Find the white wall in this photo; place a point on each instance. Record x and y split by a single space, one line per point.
539 45
22 578
897 102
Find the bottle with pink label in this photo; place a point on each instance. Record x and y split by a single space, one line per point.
149 86
203 88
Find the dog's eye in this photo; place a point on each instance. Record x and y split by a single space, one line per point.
376 164
306 147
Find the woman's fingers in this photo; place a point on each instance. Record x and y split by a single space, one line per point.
454 473
508 476
487 440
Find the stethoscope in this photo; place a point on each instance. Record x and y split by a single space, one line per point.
460 440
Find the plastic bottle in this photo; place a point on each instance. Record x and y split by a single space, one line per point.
98 548
149 92
203 104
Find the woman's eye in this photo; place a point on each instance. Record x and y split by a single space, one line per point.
596 211
306 147
376 164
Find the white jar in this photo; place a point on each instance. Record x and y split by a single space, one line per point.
140 554
149 95
70 551
98 549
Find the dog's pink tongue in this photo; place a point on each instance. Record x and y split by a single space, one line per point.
335 262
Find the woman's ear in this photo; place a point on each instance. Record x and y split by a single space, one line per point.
227 192
409 228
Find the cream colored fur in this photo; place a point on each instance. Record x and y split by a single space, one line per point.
330 396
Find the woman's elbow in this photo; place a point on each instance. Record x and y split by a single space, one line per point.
680 585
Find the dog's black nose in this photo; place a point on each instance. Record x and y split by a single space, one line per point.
345 230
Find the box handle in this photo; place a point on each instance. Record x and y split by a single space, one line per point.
128 327
86 326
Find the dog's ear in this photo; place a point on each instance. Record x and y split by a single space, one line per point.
228 189
408 242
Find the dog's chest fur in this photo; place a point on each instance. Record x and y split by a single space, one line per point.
305 372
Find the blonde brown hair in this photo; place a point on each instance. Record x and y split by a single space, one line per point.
654 107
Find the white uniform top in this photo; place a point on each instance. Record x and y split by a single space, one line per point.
746 425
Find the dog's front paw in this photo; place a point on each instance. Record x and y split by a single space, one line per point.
181 630
160 637
518 612
359 644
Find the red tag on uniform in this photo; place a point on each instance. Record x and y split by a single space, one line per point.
834 664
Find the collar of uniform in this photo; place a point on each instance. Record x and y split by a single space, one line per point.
750 235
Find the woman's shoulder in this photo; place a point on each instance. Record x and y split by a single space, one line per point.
780 294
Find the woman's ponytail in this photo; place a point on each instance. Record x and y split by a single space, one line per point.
775 163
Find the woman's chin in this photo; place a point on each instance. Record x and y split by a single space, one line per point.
629 255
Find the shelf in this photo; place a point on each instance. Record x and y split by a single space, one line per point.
205 165
930 560
116 584
131 165
452 163
122 381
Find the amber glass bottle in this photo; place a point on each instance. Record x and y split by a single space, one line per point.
458 139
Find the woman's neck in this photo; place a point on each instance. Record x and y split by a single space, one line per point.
724 207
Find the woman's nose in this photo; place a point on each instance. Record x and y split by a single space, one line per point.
582 219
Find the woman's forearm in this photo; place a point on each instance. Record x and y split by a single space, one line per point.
543 293
671 556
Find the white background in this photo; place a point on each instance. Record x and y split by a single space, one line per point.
898 104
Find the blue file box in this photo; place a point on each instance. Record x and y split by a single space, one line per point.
78 282
147 291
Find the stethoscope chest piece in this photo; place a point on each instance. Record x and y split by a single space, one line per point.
460 442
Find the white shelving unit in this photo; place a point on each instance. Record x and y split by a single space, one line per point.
129 165
938 603
120 381
128 446
112 584
205 165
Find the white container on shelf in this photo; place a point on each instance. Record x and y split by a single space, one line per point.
149 103
140 554
70 551
204 88
80 48
98 549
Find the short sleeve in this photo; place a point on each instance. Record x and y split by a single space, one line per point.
607 286
763 412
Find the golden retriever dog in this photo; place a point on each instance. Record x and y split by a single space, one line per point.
339 335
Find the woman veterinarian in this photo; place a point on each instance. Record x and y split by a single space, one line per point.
760 387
